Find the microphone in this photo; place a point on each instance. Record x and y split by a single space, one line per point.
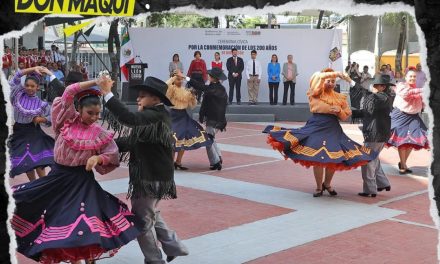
139 57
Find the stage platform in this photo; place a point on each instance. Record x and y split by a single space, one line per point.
264 112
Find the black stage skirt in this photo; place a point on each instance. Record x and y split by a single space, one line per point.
407 131
29 148
188 133
67 216
321 142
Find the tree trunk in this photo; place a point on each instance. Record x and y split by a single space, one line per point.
72 61
321 14
216 22
401 44
113 39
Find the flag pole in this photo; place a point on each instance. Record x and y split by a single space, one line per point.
105 66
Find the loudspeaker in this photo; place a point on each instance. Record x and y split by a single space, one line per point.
40 43
128 95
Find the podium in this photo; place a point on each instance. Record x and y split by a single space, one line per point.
136 75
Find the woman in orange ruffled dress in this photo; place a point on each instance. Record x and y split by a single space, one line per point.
321 143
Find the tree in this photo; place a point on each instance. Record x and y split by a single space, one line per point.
401 44
114 42
401 20
179 20
73 61
321 14
230 20
249 22
300 20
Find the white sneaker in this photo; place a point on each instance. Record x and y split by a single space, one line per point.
164 256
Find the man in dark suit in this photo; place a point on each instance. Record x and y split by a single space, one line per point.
235 66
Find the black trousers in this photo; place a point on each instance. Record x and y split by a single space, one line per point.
288 84
234 82
198 77
273 92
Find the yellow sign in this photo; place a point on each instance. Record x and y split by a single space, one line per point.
80 7
72 29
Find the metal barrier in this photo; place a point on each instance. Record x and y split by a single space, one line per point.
92 63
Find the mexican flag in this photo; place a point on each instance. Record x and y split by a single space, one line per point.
127 55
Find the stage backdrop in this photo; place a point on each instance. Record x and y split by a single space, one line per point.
310 49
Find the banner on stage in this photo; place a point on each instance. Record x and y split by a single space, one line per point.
310 50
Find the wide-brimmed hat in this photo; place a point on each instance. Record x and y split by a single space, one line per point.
217 73
156 87
74 77
382 79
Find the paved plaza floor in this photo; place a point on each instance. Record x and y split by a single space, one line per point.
259 209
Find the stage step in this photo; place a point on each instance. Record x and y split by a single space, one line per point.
263 112
299 112
245 117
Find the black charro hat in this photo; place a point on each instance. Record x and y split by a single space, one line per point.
382 79
74 77
156 87
217 73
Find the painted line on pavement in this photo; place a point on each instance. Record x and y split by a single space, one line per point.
241 166
401 197
412 223
250 241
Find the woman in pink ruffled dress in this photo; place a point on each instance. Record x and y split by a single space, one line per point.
67 216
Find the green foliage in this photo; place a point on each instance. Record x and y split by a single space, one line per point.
300 20
179 20
396 18
249 22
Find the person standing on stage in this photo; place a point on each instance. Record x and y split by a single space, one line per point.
376 109
290 71
408 131
253 74
273 75
31 149
321 143
175 65
213 112
188 134
235 67
151 165
197 71
217 62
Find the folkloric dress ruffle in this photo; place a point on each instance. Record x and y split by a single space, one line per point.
321 142
188 133
29 146
67 216
407 128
